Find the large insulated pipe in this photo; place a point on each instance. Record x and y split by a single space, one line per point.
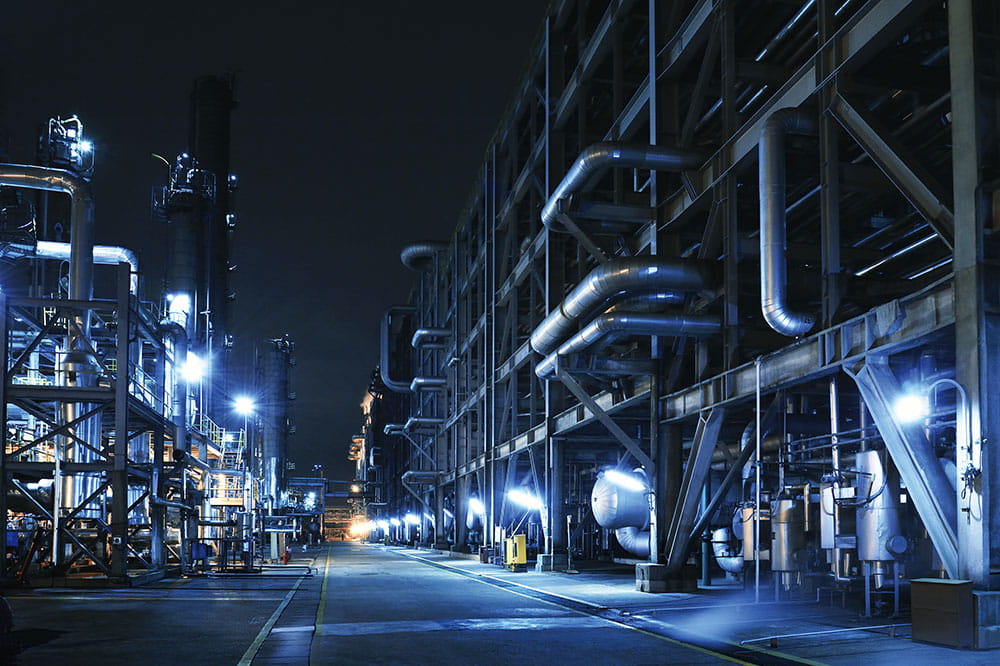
619 501
178 387
773 269
591 164
104 255
385 348
605 327
419 256
616 279
81 260
419 422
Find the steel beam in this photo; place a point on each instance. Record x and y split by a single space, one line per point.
895 325
695 474
585 399
902 170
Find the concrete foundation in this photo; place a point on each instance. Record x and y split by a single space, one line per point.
550 562
986 611
657 578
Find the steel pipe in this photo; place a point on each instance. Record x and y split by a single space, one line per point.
604 328
772 183
105 255
615 279
426 337
385 352
81 262
591 164
428 384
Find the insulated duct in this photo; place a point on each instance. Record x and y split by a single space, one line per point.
773 269
615 279
591 164
420 256
633 540
601 330
421 422
105 255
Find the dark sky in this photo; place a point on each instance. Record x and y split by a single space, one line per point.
361 126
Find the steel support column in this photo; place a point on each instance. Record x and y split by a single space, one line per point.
977 322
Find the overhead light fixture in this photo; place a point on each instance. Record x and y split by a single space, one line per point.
527 500
623 480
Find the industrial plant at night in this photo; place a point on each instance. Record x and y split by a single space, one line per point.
701 372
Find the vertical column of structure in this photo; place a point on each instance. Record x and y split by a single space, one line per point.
977 322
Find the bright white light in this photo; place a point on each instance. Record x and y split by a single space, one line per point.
526 500
412 519
86 146
229 437
911 408
244 405
383 524
41 483
311 496
624 480
180 306
394 522
193 370
476 506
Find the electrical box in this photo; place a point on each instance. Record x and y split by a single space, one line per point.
517 551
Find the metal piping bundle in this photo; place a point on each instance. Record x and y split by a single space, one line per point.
773 269
591 164
604 328
616 279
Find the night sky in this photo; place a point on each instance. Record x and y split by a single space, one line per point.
360 127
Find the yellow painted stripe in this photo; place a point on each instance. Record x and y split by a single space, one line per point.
251 652
322 595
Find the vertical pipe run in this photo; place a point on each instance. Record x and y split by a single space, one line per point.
772 182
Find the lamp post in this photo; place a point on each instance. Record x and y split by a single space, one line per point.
245 406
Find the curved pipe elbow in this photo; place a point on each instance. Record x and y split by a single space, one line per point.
429 337
591 164
615 280
772 182
385 355
428 384
603 327
420 256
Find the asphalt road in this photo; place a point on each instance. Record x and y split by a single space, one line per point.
379 607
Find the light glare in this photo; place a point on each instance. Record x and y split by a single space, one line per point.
624 480
524 499
911 408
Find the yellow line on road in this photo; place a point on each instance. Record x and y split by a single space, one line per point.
251 652
322 595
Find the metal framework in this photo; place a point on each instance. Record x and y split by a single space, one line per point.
885 212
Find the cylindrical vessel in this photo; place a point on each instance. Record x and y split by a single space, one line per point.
275 362
879 533
787 535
